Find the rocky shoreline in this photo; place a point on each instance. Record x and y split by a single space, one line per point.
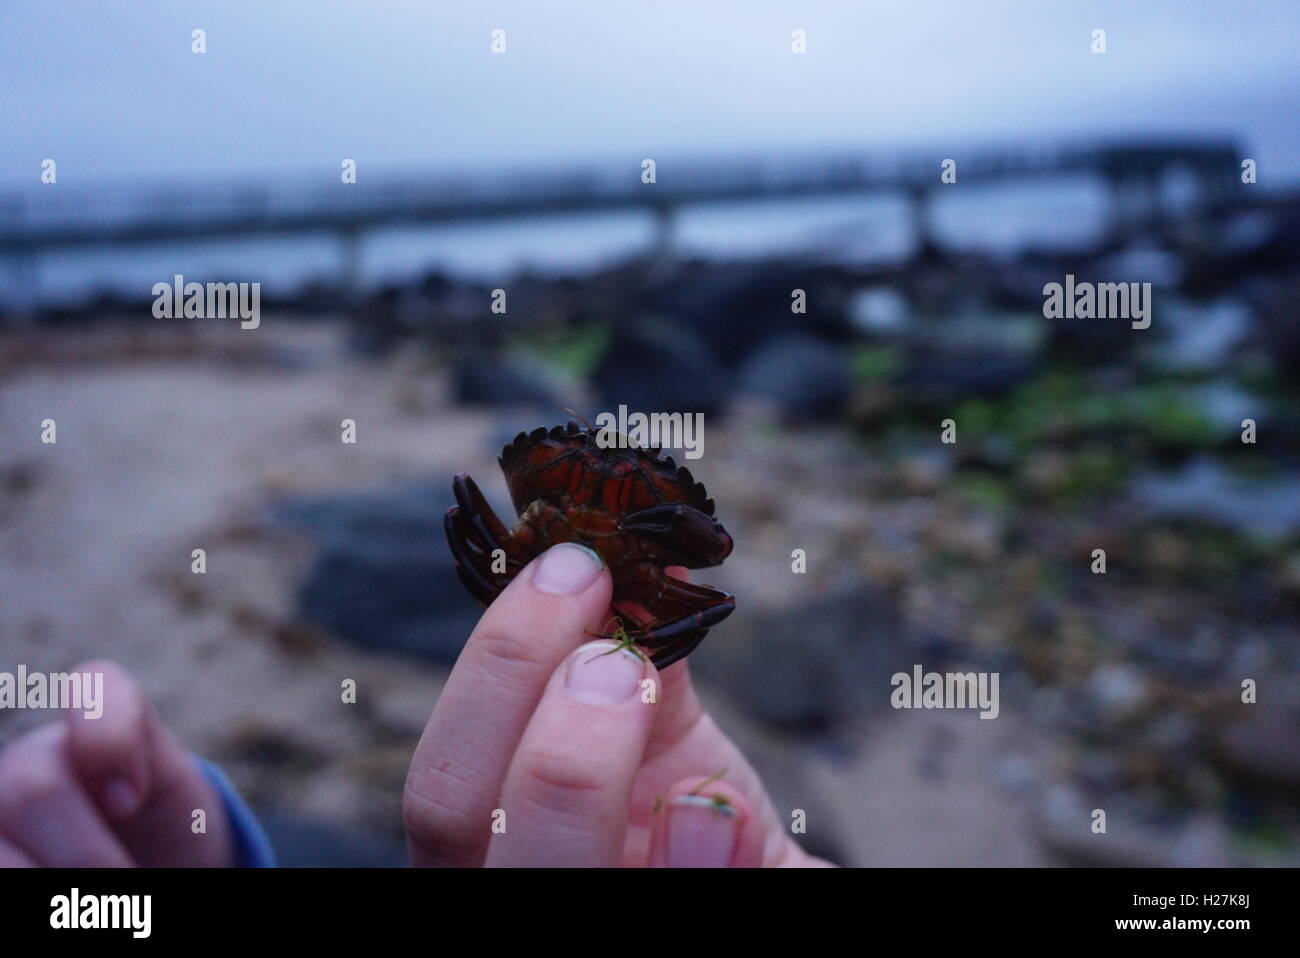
1119 690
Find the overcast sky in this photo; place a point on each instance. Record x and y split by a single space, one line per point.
111 89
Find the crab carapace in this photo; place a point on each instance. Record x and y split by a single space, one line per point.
638 510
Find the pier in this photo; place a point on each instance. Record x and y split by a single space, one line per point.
43 217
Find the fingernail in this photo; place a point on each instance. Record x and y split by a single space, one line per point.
567 569
121 800
701 832
601 676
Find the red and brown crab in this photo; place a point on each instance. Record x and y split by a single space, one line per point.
638 510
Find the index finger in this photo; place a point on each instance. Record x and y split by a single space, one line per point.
458 768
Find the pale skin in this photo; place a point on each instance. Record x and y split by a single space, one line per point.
535 754
108 792
577 780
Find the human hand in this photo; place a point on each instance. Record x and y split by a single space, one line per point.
565 743
112 791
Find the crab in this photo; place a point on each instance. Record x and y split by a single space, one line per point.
638 510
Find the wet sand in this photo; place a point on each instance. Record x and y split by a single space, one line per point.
168 443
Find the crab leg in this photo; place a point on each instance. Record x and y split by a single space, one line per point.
683 614
474 533
468 567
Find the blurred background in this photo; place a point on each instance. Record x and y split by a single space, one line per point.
775 171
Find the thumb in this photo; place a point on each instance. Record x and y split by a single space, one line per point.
145 784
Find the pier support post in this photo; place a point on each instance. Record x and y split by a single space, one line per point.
1135 203
21 301
350 270
662 243
918 211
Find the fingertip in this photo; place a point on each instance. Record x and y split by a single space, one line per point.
108 696
97 677
566 568
704 822
108 738
121 798
563 595
604 673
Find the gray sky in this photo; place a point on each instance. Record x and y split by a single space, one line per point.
111 90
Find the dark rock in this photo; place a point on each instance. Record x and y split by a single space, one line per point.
1262 748
800 375
1134 838
808 668
659 367
1279 332
378 329
1255 244
1174 659
503 381
735 307
1091 341
384 577
938 377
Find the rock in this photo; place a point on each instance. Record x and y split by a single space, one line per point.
971 354
1288 575
657 366
807 668
1277 331
941 377
384 577
1202 337
1203 490
1092 341
801 376
378 327
879 310
1099 771
1134 838
967 534
733 308
1016 774
484 379
1174 658
1119 690
873 406
1263 746
1161 267
923 472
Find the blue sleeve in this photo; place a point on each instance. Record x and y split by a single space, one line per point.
252 848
